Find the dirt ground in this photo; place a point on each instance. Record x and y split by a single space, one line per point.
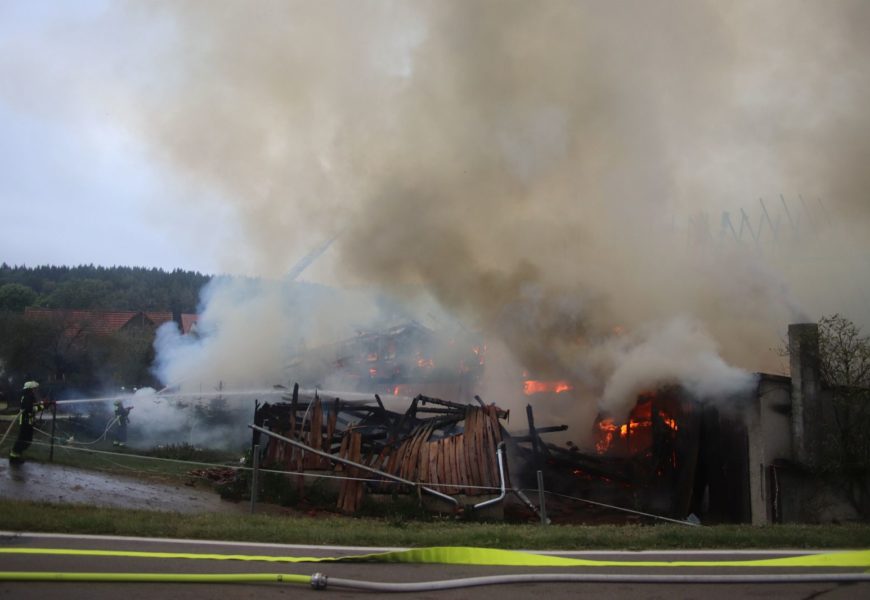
61 484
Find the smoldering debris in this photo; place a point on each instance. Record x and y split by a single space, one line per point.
658 461
444 445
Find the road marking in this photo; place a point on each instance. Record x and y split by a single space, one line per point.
377 549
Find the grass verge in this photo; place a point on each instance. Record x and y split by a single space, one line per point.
54 518
172 463
395 530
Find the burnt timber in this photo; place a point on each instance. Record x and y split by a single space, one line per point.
451 447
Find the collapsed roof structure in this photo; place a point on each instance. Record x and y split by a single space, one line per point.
441 447
738 459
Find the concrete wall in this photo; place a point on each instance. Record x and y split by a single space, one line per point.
769 438
786 426
807 420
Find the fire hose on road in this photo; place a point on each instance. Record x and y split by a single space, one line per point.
320 581
859 559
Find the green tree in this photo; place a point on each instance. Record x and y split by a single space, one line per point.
124 358
33 348
844 362
81 294
16 297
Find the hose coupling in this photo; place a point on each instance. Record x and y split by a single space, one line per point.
318 581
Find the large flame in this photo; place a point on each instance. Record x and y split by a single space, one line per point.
533 386
635 434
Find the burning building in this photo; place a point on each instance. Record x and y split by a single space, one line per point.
739 459
402 359
744 458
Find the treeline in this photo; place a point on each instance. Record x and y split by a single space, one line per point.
99 288
73 363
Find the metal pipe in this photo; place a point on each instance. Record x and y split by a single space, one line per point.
499 451
351 463
525 500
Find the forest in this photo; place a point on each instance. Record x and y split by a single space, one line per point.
69 364
99 288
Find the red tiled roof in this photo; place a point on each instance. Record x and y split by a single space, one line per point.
98 322
188 321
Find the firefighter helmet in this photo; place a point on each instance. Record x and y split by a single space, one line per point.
30 385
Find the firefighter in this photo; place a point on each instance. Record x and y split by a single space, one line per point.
31 404
122 413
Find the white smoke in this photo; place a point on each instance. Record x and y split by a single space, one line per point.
531 166
249 328
678 351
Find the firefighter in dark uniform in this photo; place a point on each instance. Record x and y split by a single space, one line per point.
31 404
122 414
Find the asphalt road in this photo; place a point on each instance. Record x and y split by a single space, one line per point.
368 572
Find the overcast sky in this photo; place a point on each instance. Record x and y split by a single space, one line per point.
542 170
76 185
298 111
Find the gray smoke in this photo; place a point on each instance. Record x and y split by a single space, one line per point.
533 166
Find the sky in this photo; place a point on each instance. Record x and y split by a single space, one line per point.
548 173
78 184
85 181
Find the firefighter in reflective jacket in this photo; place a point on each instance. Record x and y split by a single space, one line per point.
122 414
31 404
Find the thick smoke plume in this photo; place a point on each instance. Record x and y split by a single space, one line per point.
248 328
541 169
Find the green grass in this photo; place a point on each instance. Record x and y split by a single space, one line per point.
45 517
397 528
174 464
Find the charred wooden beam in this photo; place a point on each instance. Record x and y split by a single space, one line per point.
537 453
438 401
502 414
539 430
441 411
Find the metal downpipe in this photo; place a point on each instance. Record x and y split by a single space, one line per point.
500 455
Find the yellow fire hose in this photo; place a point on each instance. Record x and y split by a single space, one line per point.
155 577
320 581
455 555
459 555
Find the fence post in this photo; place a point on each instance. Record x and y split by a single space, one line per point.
541 501
53 421
254 474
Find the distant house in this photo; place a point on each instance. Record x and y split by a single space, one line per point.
82 323
189 323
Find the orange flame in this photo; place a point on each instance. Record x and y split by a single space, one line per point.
606 431
633 432
532 386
